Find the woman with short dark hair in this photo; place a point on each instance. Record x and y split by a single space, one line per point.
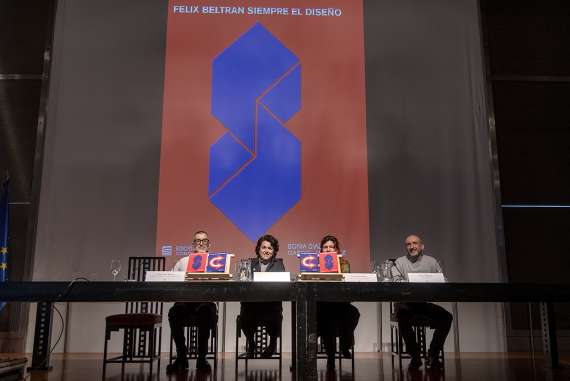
268 314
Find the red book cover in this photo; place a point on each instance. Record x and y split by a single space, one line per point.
197 263
328 262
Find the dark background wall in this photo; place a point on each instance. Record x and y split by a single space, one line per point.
529 76
25 39
429 163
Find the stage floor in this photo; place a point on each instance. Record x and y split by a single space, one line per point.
368 366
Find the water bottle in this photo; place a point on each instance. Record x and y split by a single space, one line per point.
386 271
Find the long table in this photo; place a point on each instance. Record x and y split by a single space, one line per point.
304 294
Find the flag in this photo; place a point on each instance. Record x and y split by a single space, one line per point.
328 262
4 219
216 262
197 263
309 262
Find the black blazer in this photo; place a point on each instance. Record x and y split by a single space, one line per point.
276 265
258 308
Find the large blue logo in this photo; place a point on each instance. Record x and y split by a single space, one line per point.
255 167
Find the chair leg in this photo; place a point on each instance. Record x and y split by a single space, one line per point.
280 355
337 349
246 356
191 336
170 350
151 349
157 351
105 354
352 361
237 347
400 349
391 345
124 354
216 347
421 340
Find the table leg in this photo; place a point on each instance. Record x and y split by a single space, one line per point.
293 336
301 333
306 336
42 337
311 355
549 341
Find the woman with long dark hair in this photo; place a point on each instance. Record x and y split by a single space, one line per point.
336 317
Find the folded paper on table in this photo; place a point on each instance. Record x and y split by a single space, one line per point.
360 277
426 278
271 276
165 276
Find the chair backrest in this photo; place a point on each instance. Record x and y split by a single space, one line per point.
138 266
192 341
416 321
321 349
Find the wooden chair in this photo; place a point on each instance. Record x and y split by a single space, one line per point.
322 352
141 323
191 335
397 344
261 340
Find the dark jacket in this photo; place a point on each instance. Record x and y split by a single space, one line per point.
256 308
276 265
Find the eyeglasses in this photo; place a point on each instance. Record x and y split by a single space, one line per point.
204 241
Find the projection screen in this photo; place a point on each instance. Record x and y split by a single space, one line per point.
362 119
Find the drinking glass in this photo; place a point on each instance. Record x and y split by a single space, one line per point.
115 268
386 271
377 269
244 270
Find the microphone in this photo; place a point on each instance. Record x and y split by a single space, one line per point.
393 260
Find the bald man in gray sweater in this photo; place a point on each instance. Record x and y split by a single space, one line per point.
410 313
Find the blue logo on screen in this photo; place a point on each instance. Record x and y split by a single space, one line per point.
255 167
166 250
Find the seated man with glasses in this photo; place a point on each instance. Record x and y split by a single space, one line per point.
182 314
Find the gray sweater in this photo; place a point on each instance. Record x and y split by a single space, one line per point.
424 264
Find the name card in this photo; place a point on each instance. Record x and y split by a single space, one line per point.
259 276
426 278
165 276
360 277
